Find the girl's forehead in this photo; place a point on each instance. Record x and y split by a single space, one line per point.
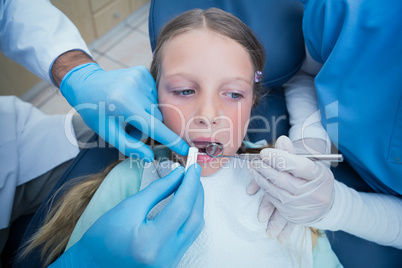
203 50
200 34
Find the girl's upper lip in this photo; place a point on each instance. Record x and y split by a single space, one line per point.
203 141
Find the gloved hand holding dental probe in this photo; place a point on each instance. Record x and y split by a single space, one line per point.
107 100
124 237
297 190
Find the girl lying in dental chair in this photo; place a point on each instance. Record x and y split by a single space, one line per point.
207 65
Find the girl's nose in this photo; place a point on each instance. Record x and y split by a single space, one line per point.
207 112
207 121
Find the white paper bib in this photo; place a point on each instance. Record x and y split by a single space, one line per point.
233 236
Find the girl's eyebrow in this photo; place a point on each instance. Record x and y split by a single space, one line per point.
185 77
242 79
229 80
183 74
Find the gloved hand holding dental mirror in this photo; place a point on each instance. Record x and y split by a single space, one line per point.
297 190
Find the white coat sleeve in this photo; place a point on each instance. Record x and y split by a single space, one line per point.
371 216
302 105
35 33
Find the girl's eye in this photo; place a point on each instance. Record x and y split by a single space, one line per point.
184 92
234 95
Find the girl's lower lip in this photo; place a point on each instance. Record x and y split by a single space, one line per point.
205 159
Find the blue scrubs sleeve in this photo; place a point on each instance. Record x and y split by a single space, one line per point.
359 87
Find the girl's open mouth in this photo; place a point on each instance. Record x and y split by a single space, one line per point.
201 145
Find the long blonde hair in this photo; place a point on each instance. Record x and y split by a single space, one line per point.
61 219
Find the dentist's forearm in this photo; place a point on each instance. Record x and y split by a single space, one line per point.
371 216
67 61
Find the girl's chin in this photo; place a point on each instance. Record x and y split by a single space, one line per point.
207 169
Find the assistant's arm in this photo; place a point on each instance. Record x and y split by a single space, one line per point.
305 192
304 116
372 216
338 33
35 33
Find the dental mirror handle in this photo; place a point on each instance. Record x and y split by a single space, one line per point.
313 157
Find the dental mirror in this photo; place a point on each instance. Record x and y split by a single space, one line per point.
214 150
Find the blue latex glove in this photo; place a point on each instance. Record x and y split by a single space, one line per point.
108 100
123 237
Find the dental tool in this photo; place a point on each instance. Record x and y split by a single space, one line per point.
215 150
191 157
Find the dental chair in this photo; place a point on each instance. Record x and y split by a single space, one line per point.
278 25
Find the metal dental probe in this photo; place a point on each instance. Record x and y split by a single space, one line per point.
215 150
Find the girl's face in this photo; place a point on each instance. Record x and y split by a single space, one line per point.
205 92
